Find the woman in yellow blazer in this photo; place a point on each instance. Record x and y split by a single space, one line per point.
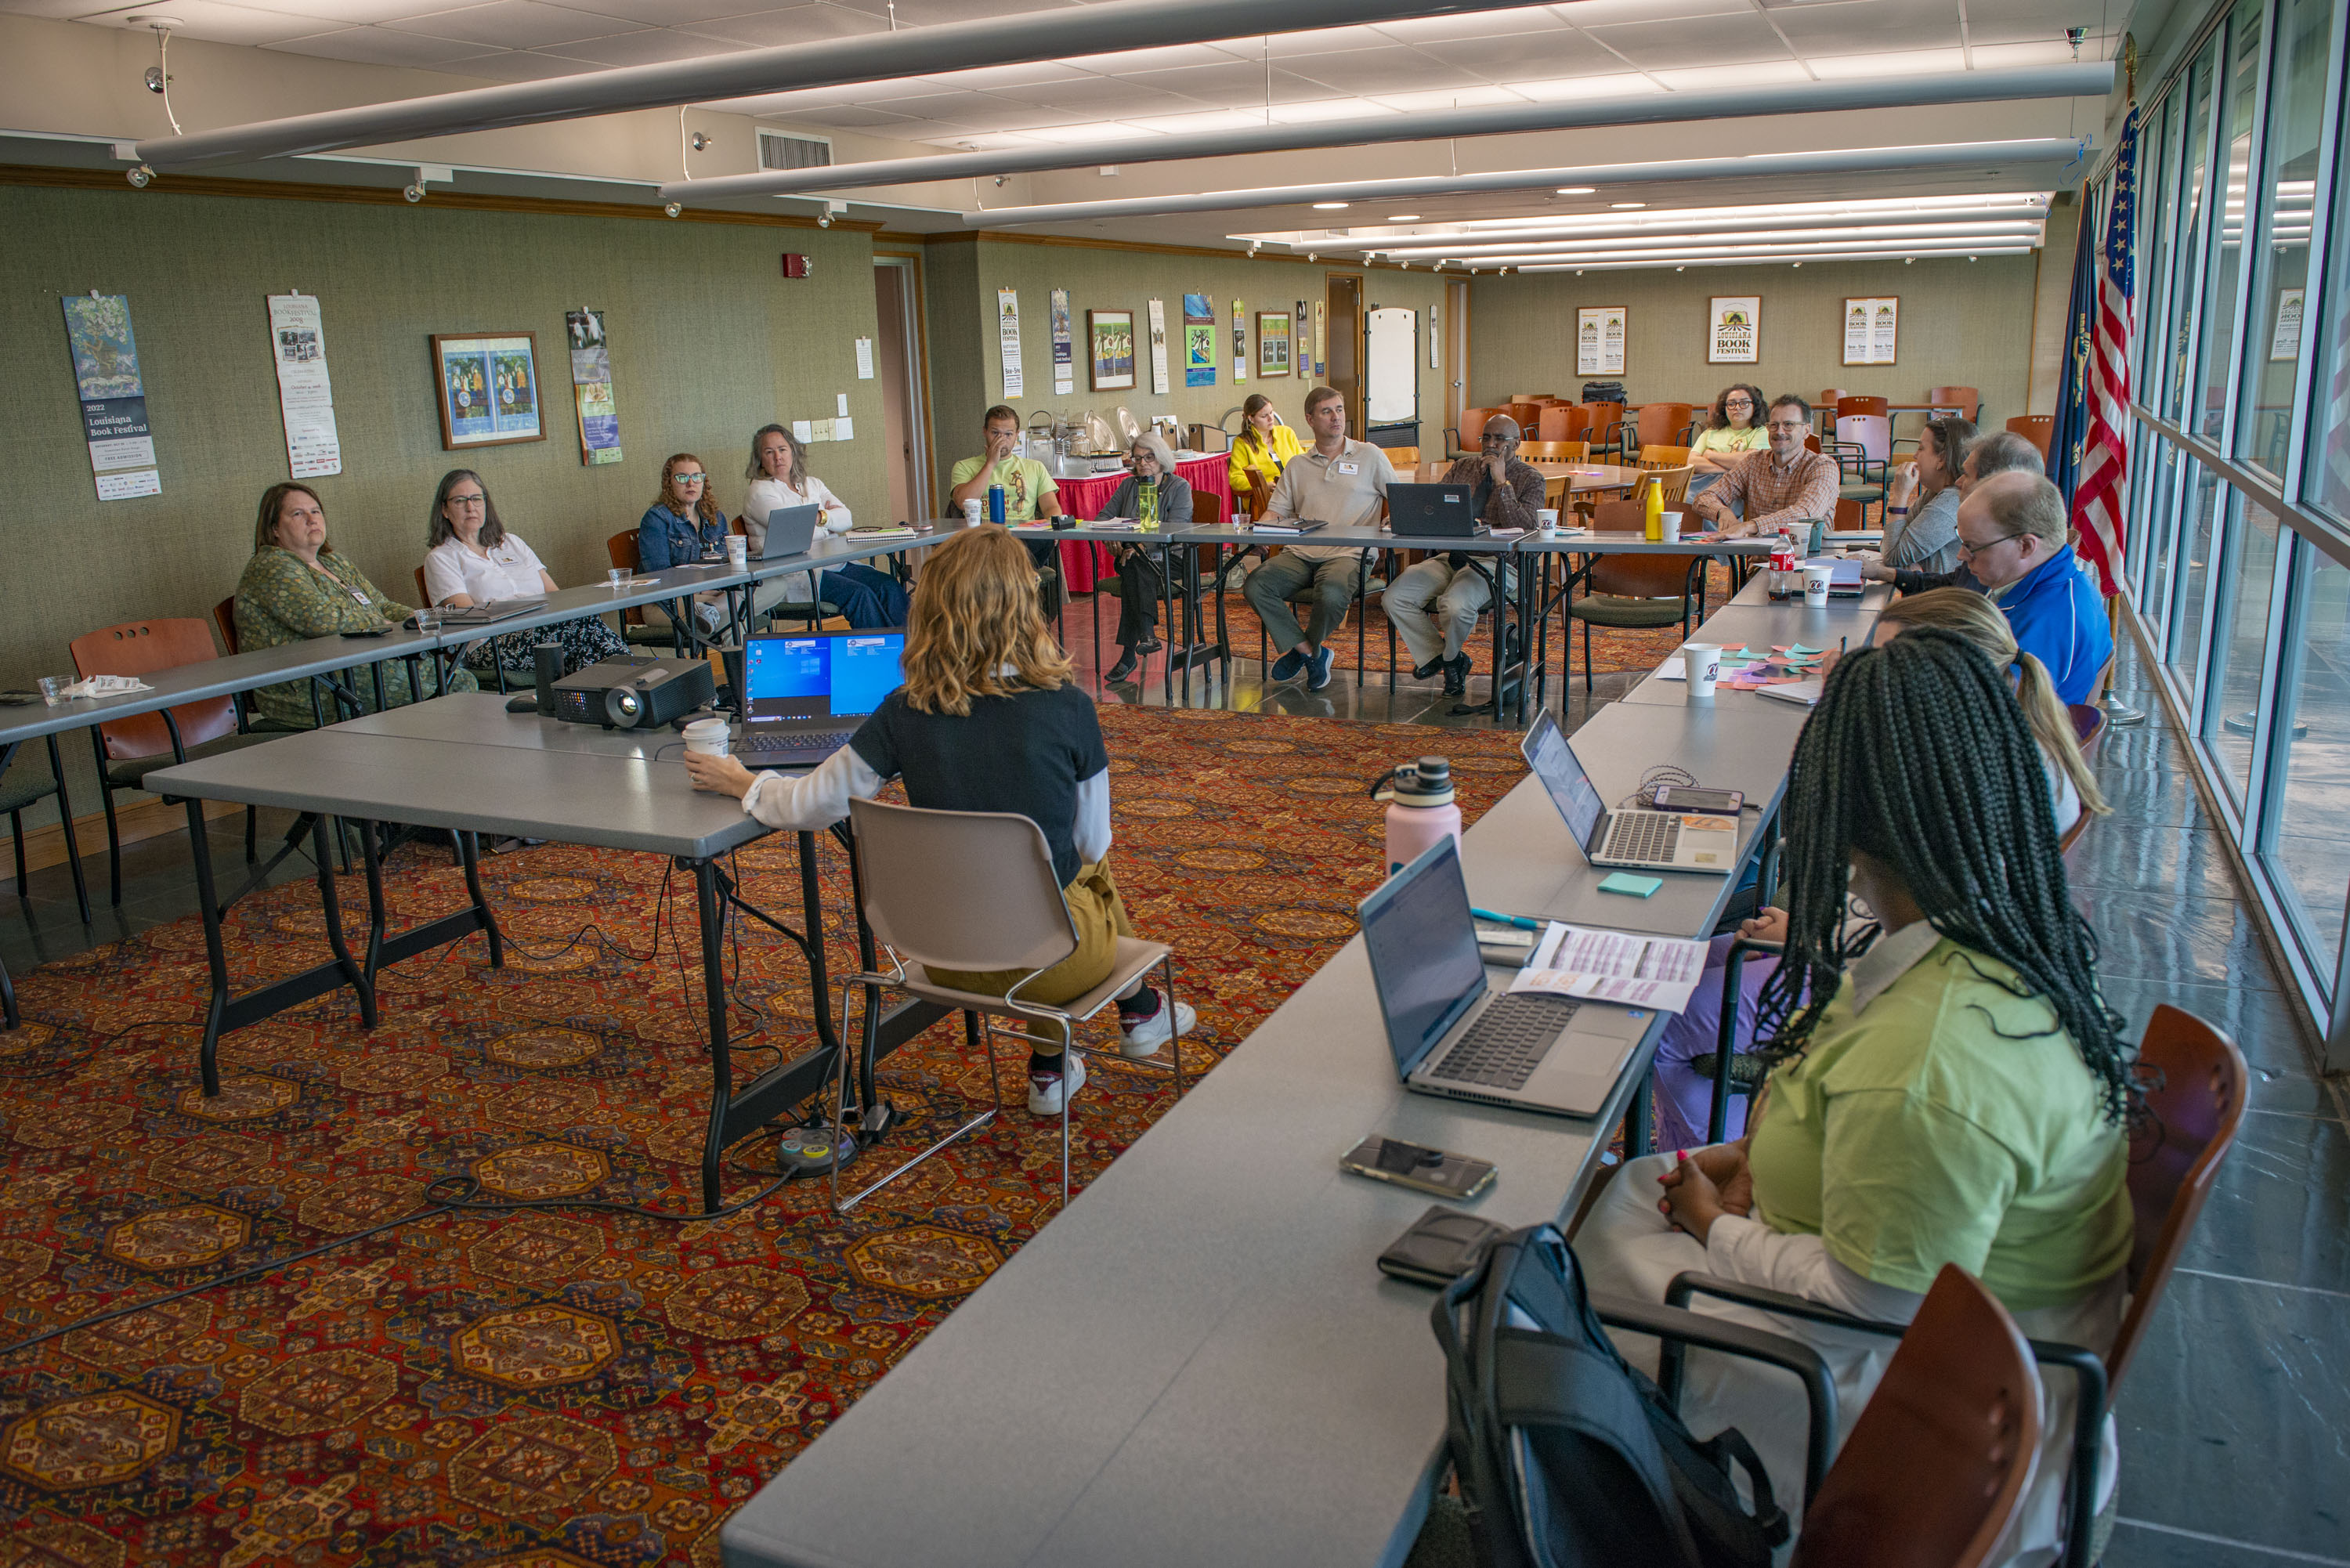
1264 448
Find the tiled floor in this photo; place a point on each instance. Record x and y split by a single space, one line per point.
2235 1419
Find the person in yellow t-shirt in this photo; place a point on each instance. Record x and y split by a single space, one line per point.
1949 1086
1264 447
1029 492
1734 430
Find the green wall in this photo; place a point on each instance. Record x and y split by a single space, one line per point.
1962 324
708 341
966 374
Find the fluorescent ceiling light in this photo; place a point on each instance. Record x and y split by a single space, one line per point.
1621 205
1404 218
1327 207
1729 261
1579 190
2032 206
1804 251
1444 245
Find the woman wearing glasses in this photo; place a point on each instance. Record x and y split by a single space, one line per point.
471 559
1734 430
682 526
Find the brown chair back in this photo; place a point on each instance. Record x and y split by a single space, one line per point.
1528 415
422 596
622 549
1935 1468
2037 429
1662 424
1531 398
1664 456
1563 422
1829 399
141 647
1849 404
1966 400
1634 577
2194 1089
1850 517
1400 457
1673 482
225 617
1473 426
1555 451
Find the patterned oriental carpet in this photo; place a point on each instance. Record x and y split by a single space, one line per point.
560 1386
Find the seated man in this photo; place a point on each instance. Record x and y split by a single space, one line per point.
1784 485
2012 533
1336 481
1504 493
1029 493
2002 452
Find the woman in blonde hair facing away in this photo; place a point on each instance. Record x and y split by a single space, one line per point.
988 720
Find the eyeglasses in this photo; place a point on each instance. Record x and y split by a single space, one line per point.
1972 550
1789 425
469 500
1737 402
686 478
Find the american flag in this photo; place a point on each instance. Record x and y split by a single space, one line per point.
2104 449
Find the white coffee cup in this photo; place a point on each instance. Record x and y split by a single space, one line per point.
1672 524
1702 663
708 736
975 512
1547 519
738 551
1815 585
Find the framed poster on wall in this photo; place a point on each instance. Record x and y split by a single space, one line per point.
1109 349
1735 333
487 388
1272 343
1871 330
1600 340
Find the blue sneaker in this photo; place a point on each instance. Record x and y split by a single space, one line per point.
1317 671
1287 666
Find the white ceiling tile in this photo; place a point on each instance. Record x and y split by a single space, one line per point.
516 25
969 111
1561 52
1714 79
1028 74
1457 97
655 45
851 117
1600 13
520 66
1322 41
1092 97
2001 57
380 46
1330 108
665 13
1561 90
55 10
1880 25
1203 121
1081 135
1384 70
1671 45
347 13
792 25
1233 86
1478 24
221 24
1909 62
1119 62
931 13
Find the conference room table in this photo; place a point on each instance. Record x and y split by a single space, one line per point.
1198 1362
1580 550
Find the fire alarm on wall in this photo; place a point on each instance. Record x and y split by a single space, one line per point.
794 265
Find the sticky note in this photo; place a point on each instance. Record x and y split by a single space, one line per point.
1624 882
1803 648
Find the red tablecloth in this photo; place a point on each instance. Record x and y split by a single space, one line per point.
1081 563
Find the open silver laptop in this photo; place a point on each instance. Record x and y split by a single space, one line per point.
1455 1037
1647 840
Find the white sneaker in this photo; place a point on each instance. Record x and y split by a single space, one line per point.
1048 1091
1146 1037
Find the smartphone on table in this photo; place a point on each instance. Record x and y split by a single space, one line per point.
1423 1170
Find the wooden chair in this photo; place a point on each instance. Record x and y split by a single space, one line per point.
1401 457
1966 400
2193 1081
128 749
1464 437
1563 422
1662 424
1605 424
1528 415
635 630
1555 451
2037 429
1664 456
1851 516
1635 592
1531 398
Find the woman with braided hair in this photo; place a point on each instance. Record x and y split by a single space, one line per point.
1949 1085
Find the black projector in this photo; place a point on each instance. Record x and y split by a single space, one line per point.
634 691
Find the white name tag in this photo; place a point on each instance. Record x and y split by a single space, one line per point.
1348 467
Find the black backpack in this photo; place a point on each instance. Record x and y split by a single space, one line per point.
1603 391
1565 1455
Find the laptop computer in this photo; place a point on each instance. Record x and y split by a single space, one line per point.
1453 1037
803 694
486 614
790 531
1648 840
1432 510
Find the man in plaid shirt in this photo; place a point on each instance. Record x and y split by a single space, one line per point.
1773 488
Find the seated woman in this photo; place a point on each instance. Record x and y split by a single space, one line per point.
988 720
1952 1090
296 586
682 527
471 559
1685 1096
1733 428
1262 449
1153 493
779 479
1921 500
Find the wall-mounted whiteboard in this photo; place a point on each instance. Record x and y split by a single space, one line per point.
1392 366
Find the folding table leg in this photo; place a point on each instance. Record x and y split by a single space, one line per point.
713 991
215 955
469 850
330 906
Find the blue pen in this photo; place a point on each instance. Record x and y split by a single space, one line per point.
1519 921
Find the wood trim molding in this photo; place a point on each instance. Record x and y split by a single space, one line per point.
1071 242
389 196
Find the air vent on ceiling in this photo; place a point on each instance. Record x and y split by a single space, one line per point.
777 150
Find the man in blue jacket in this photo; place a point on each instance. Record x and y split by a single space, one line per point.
2011 534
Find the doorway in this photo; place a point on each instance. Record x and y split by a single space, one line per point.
1345 310
1456 345
898 362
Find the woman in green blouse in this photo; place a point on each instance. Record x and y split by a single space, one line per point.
296 588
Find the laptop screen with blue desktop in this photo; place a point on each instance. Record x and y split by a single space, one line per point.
791 678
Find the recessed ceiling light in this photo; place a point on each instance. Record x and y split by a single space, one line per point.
1404 218
1622 205
1327 207
1579 190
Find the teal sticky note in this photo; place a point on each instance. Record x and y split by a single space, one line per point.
1802 647
1624 882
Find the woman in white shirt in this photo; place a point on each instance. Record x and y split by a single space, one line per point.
471 559
779 479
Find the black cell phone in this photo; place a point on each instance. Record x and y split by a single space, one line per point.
1417 1166
378 631
1688 797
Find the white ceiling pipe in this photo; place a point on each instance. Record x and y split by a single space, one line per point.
1990 234
1049 34
2005 155
2081 79
1755 261
1663 221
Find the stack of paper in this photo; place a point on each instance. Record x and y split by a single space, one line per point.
1662 972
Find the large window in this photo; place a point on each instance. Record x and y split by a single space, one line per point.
2240 639
2183 647
2224 266
2281 266
2307 844
2157 222
2178 336
2162 459
2327 462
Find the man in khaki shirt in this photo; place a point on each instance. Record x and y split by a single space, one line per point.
1335 481
1785 485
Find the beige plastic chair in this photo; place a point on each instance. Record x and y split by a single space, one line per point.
974 891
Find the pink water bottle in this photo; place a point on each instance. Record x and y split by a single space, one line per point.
1420 810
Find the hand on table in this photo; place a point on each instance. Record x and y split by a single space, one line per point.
1873 569
720 775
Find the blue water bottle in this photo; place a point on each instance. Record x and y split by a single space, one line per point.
995 504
